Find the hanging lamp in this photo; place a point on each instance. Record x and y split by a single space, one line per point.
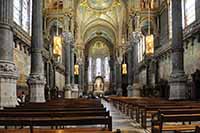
57 40
149 37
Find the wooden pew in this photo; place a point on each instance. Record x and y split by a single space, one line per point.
70 130
57 113
197 129
158 123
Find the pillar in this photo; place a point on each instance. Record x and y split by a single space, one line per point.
130 74
72 64
197 9
119 79
68 41
8 71
136 85
177 78
36 79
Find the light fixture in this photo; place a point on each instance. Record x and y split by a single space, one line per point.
124 68
76 69
57 41
124 65
149 37
57 46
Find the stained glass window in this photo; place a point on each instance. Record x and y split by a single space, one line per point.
106 69
22 14
17 11
189 12
98 67
141 49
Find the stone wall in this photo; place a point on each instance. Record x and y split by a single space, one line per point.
60 81
192 56
22 60
164 67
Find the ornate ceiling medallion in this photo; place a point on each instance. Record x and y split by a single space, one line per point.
99 4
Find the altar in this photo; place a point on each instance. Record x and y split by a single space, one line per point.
98 86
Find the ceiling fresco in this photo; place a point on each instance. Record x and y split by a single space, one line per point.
100 16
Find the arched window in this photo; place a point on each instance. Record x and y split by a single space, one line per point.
98 67
90 70
188 11
106 69
22 14
141 48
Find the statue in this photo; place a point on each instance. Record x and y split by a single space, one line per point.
98 86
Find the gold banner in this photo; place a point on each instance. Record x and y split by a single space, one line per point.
149 44
76 69
124 69
57 45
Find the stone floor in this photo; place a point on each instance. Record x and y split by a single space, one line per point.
123 122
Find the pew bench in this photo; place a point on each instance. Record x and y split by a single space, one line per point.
159 124
56 121
70 130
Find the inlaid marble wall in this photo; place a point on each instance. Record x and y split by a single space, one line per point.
22 60
60 81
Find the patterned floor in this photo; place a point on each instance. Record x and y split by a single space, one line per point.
122 122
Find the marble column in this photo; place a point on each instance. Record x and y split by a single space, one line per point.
130 74
80 80
36 79
136 85
197 9
68 41
119 79
8 71
83 77
72 64
177 78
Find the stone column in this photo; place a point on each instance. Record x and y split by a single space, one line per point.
130 74
36 79
136 84
197 9
83 77
177 78
68 41
72 64
80 79
8 71
119 79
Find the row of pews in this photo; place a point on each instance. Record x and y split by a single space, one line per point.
164 115
57 116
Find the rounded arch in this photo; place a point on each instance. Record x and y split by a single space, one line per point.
145 22
93 31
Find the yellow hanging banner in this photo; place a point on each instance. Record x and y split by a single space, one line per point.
124 69
57 46
76 69
149 44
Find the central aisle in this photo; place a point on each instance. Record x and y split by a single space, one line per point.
121 121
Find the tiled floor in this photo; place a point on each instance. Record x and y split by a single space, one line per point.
123 122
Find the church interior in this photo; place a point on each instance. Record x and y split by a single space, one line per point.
99 66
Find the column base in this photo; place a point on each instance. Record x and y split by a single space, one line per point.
178 89
130 90
68 91
136 89
119 92
37 84
75 93
8 78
